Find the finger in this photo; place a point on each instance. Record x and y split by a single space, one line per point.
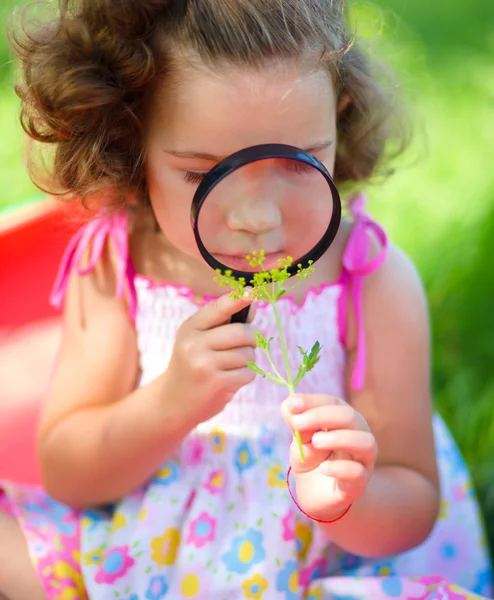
312 457
225 360
232 335
218 311
329 417
287 415
237 378
359 444
301 402
347 471
252 313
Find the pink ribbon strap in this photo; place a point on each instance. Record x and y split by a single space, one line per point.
357 264
112 228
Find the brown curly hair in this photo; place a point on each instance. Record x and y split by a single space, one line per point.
89 73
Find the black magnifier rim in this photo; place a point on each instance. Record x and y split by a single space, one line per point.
254 154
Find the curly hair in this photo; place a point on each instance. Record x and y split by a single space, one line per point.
89 73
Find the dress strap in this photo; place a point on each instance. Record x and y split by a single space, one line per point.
95 234
356 266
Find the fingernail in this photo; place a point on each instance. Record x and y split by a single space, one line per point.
296 403
247 292
299 421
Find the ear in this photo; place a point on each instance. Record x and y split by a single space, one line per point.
343 101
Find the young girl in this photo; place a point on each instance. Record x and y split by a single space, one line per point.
163 456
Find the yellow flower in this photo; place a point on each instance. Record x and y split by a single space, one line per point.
190 585
315 594
62 570
383 571
143 514
443 509
255 587
94 558
118 522
303 535
218 440
165 547
276 477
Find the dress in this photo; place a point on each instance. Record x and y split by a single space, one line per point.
217 522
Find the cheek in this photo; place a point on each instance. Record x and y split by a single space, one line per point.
171 201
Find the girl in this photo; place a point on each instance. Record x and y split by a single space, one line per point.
163 458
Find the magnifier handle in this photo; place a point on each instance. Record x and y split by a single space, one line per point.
241 316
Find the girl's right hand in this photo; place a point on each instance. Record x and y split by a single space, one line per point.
209 359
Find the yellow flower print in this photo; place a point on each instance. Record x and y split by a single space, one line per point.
276 477
217 438
303 536
118 522
443 509
383 571
143 514
62 570
165 547
95 557
255 587
315 594
190 585
70 593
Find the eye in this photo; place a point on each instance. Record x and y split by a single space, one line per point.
192 177
298 167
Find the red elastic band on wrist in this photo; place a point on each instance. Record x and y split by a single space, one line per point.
303 511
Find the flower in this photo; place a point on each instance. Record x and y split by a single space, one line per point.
303 537
384 569
217 438
246 550
266 442
118 522
65 519
483 582
255 587
115 565
190 585
315 593
287 581
165 547
287 522
276 477
243 457
95 557
133 597
316 570
216 482
196 452
451 550
157 588
167 474
202 530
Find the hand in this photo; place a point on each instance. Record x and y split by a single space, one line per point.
209 359
339 451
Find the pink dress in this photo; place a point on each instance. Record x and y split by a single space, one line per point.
216 521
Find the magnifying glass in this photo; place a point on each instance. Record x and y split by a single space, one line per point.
274 197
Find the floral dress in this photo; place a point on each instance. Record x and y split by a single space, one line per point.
217 521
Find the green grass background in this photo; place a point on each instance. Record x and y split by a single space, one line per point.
439 206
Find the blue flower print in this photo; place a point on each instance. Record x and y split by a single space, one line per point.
91 519
483 583
266 442
157 588
243 457
350 563
133 597
169 473
287 581
383 569
63 517
246 550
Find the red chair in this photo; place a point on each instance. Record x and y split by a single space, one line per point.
32 241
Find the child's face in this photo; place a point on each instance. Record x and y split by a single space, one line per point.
209 116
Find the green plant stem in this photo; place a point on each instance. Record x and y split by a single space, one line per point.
291 387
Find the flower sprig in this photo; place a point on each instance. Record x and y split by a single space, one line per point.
270 286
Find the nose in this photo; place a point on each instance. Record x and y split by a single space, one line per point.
254 216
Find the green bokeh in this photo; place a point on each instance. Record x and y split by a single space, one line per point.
439 206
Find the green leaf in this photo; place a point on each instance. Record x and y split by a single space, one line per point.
253 367
280 293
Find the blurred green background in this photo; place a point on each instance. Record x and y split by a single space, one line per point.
439 206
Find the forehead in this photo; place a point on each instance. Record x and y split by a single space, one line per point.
224 111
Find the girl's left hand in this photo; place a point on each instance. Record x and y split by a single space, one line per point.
339 451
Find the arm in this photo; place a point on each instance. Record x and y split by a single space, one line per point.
400 505
95 420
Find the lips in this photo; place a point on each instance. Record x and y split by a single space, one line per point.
240 263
